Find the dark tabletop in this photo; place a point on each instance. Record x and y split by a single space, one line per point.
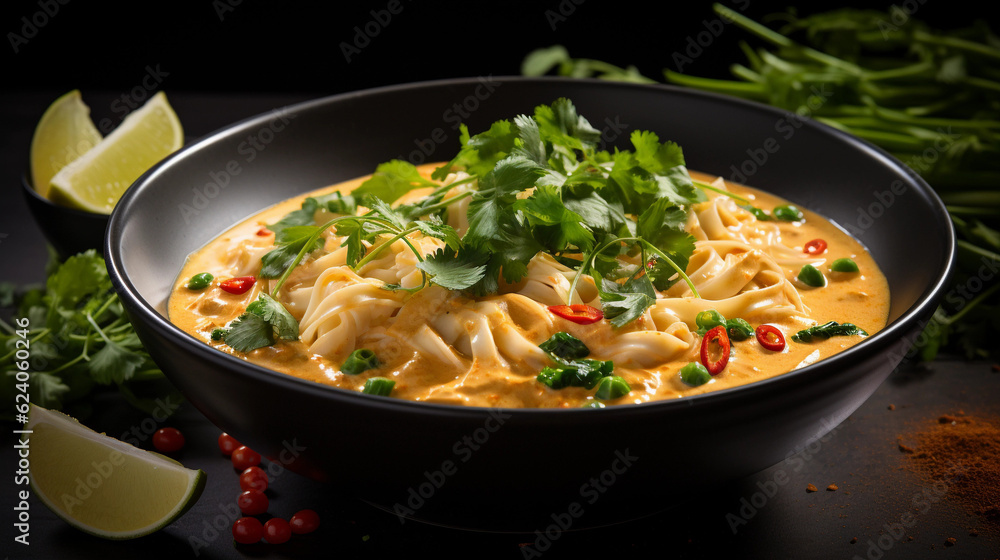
766 515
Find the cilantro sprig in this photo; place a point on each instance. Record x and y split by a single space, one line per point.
79 341
535 183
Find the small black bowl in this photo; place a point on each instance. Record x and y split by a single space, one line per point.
68 230
522 469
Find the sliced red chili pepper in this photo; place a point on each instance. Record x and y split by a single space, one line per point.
770 337
715 350
814 247
578 313
263 232
237 285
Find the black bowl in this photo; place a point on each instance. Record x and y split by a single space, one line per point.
68 230
504 469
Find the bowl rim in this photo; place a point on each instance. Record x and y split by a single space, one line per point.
877 343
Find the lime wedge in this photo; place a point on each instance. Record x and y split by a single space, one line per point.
96 180
63 134
103 486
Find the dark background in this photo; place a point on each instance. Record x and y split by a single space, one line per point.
221 62
212 45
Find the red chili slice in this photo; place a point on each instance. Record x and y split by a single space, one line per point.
814 247
715 343
263 232
578 313
770 337
238 285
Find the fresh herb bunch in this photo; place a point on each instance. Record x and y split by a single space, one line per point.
537 183
79 341
930 98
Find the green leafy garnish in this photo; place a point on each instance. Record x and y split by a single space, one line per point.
565 346
827 330
264 321
78 339
536 183
928 96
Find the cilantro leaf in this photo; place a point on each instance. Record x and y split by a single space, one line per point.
455 270
78 277
623 303
488 212
304 216
338 203
529 143
562 228
276 315
437 229
294 238
480 153
560 124
662 225
249 332
392 180
114 364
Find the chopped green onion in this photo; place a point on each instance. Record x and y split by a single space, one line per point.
787 213
565 345
695 374
360 360
218 334
844 265
739 329
378 386
758 213
709 319
612 387
200 281
811 276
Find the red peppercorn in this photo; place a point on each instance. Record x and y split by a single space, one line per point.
305 521
228 444
243 458
168 440
248 530
253 478
277 531
253 502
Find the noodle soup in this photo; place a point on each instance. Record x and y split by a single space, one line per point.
448 346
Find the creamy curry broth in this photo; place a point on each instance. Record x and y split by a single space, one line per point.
860 298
